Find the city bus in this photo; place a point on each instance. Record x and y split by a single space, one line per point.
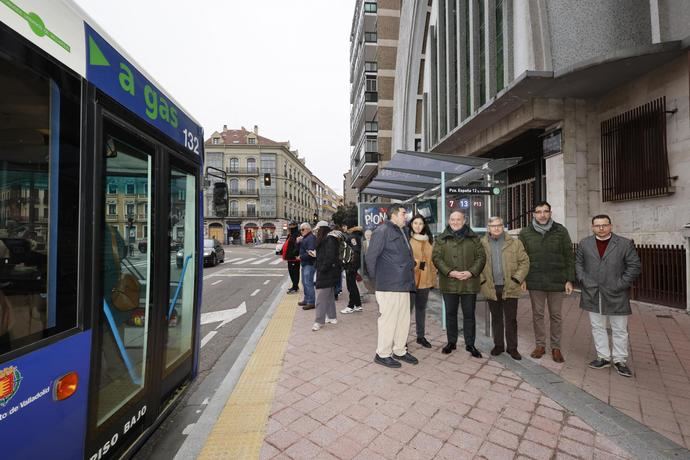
100 173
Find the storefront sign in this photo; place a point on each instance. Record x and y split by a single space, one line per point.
551 143
470 190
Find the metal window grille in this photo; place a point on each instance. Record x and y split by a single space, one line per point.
634 157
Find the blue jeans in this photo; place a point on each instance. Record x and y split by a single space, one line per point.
308 284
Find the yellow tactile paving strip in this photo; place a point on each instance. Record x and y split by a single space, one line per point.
240 429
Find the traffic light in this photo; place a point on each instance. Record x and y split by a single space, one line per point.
220 199
267 179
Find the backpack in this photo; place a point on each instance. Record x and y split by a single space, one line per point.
346 254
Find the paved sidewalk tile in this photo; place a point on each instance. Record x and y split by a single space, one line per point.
333 401
658 393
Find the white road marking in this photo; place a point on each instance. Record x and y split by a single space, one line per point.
188 429
216 282
204 402
260 261
266 282
276 262
234 260
254 293
207 337
245 261
223 316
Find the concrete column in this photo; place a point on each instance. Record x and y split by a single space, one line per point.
686 237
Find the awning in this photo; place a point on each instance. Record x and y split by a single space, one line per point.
418 174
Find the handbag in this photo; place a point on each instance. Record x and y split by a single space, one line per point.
125 294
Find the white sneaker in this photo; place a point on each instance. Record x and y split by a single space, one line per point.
331 321
347 310
316 327
357 308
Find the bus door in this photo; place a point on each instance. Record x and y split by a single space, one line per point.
144 329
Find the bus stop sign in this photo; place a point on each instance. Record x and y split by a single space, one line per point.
454 190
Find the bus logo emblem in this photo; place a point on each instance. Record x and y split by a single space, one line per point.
10 378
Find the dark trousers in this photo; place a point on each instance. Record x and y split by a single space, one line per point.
418 302
293 270
351 283
501 308
468 302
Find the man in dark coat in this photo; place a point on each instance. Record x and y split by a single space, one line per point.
391 264
459 257
606 266
290 254
551 272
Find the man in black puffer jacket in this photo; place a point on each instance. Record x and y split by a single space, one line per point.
354 239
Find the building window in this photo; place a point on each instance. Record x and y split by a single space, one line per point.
234 165
370 37
216 141
371 126
372 145
499 45
129 189
130 209
371 84
233 208
369 7
251 140
112 188
370 66
251 209
251 186
251 165
634 156
112 209
234 186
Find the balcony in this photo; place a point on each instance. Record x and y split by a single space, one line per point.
234 213
363 168
242 171
243 192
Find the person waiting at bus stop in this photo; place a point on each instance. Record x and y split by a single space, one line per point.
307 246
459 258
390 263
421 241
606 265
506 267
328 270
290 253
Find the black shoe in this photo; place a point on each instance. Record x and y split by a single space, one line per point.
408 358
423 342
388 362
495 351
622 369
473 351
600 363
309 306
292 290
448 348
515 355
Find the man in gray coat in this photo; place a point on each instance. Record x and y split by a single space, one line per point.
391 264
606 266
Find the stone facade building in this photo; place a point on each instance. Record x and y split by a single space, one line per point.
256 211
591 95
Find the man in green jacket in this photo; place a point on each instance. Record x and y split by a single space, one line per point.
552 271
459 257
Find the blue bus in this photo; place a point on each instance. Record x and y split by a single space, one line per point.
100 173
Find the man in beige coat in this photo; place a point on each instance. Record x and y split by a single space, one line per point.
502 283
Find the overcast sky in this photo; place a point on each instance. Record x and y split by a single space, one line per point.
280 64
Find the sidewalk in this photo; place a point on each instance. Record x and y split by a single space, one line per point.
318 394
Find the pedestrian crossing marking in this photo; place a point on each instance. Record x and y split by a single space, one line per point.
234 260
260 261
276 262
245 261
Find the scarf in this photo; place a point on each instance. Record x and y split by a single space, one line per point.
462 232
420 237
542 228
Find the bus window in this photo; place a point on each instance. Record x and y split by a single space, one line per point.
39 157
183 195
126 270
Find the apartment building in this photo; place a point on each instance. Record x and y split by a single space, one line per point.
373 49
328 200
256 211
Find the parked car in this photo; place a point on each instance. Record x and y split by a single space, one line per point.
214 253
279 245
